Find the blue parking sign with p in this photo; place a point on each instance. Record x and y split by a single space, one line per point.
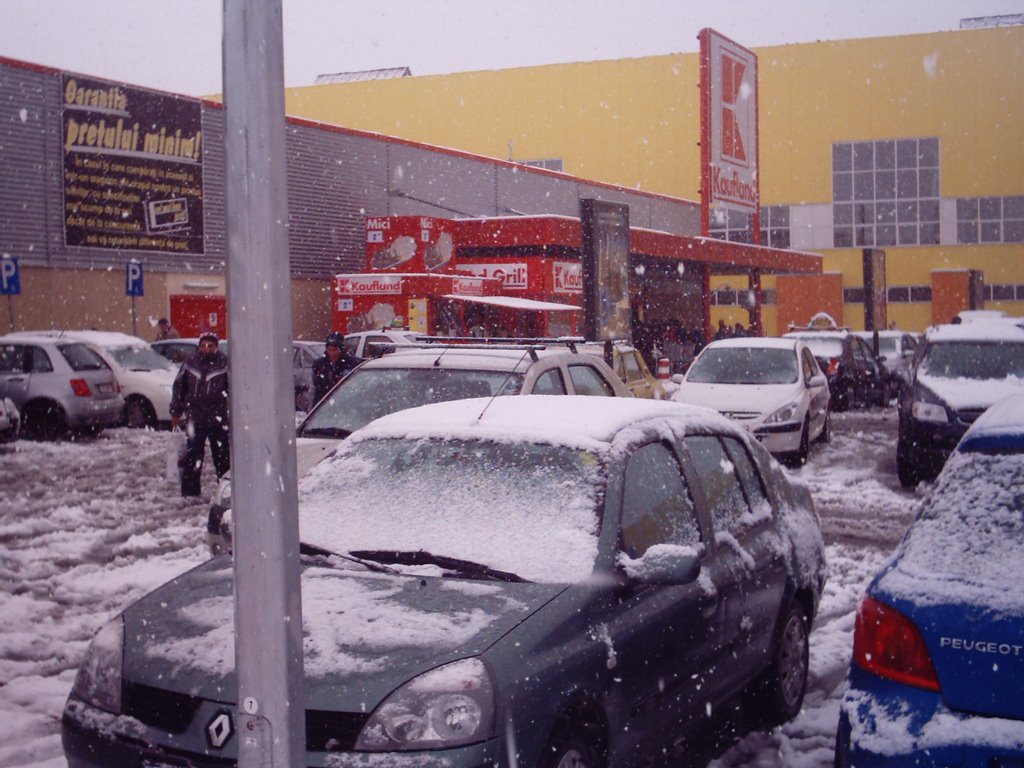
10 277
133 279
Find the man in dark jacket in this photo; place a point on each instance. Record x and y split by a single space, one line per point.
332 367
200 394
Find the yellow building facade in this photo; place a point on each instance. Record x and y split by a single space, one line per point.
907 144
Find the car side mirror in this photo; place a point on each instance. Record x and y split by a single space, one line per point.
677 378
663 564
817 380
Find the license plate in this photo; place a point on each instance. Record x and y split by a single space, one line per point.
106 388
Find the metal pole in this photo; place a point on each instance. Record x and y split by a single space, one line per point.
268 611
10 310
134 331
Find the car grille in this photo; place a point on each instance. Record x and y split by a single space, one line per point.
326 731
741 415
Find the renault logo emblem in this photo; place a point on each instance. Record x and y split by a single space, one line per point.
219 730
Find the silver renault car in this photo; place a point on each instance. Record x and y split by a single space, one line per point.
60 386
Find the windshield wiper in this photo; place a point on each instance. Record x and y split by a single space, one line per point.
337 432
315 551
421 557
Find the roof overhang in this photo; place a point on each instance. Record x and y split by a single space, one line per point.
516 302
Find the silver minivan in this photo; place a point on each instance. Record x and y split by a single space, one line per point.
59 386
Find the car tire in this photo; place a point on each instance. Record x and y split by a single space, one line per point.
45 421
570 747
826 430
907 469
778 694
139 413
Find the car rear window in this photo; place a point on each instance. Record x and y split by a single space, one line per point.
81 358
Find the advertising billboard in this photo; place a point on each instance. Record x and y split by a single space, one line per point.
605 259
133 168
729 139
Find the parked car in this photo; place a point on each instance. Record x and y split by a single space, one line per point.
937 650
435 372
960 371
304 353
370 344
535 581
772 387
895 351
629 364
10 420
59 386
856 377
145 377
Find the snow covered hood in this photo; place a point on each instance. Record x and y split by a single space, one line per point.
364 633
756 398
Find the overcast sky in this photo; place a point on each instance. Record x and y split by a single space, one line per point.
175 45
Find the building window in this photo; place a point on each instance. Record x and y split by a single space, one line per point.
735 226
885 193
549 164
990 220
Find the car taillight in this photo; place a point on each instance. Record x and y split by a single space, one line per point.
888 644
80 387
833 367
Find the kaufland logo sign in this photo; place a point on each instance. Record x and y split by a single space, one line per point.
729 73
468 286
568 276
370 285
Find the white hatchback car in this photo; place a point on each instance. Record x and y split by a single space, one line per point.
145 377
771 386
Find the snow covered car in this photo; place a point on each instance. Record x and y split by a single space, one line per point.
534 581
429 372
960 371
771 386
58 385
369 344
938 649
145 377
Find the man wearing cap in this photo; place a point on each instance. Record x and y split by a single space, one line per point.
200 395
333 366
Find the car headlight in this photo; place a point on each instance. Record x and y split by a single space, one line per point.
924 411
784 414
98 681
449 706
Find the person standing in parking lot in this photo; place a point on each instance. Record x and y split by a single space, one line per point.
200 395
333 366
166 330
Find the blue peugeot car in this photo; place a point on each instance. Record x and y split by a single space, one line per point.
937 677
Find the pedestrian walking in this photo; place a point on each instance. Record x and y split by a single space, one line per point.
333 366
165 330
200 397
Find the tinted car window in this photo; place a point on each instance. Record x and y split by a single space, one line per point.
39 361
587 381
722 488
549 383
750 480
656 504
12 359
81 358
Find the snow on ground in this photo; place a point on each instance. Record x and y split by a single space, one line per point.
87 527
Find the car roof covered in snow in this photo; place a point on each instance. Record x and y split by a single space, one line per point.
761 342
1008 329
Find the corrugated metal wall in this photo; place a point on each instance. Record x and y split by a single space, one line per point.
335 179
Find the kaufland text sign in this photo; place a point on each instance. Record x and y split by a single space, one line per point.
729 151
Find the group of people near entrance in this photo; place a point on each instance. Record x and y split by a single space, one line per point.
199 401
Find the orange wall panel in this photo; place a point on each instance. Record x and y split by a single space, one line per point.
800 297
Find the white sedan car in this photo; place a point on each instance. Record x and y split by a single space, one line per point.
772 387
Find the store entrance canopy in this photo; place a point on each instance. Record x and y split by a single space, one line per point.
514 302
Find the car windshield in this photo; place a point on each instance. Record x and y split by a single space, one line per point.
974 360
744 365
369 393
81 358
136 358
522 508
